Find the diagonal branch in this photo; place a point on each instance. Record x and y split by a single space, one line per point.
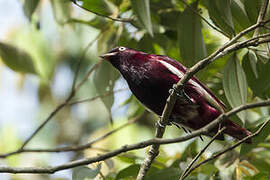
261 16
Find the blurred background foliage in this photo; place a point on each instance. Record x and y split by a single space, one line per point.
42 41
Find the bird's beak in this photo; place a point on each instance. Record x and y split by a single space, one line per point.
108 55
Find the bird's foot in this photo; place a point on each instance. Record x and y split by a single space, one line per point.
169 123
181 94
160 124
187 131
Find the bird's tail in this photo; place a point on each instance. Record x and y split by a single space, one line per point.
236 131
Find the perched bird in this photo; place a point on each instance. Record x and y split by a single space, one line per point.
150 78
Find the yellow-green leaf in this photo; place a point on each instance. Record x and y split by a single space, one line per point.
104 79
98 6
16 59
84 172
235 85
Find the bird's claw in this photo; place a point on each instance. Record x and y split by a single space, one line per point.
181 94
160 124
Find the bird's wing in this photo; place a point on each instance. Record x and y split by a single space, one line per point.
208 95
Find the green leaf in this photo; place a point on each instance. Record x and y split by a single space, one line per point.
191 43
104 80
129 172
168 19
260 85
235 84
97 6
99 23
85 173
259 176
117 2
127 158
142 9
239 15
253 60
252 8
29 7
164 174
245 148
16 59
220 13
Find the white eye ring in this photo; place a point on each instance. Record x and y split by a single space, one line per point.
122 48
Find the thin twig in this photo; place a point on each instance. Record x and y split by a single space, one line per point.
92 69
204 19
261 16
232 147
55 111
125 20
153 152
187 170
97 97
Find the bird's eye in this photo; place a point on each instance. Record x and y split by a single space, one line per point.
122 48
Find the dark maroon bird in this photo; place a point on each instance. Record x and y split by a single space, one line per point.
150 77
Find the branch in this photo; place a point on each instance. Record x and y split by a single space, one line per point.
232 147
153 152
261 16
188 168
97 97
125 20
140 145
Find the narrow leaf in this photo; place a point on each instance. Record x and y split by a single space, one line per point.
98 6
84 172
253 60
29 7
191 43
164 174
240 18
16 59
142 9
104 80
220 13
252 8
129 173
235 85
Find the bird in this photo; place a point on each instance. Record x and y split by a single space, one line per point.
150 78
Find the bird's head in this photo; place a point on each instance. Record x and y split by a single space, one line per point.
119 54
